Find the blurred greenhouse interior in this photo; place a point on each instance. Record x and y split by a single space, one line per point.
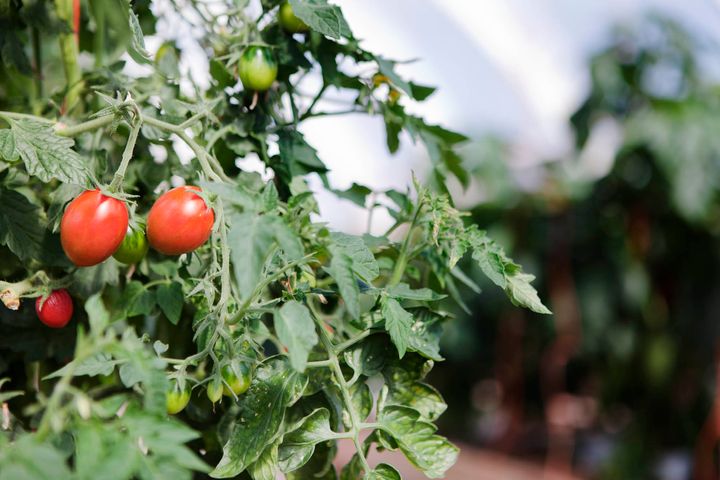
595 161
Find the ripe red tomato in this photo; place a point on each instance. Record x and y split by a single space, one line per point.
179 221
93 227
57 309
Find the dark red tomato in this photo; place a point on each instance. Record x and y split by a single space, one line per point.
93 227
57 309
179 221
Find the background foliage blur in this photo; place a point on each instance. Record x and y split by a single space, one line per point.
620 381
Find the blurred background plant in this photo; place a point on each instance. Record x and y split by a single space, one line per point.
620 382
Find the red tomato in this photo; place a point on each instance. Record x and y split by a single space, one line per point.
57 309
179 221
93 227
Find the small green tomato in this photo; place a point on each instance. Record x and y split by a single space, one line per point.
133 247
288 21
257 68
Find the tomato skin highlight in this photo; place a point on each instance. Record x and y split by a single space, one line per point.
289 21
179 221
133 248
57 309
93 227
176 398
257 68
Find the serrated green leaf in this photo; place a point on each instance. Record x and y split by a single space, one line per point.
27 458
265 468
403 291
261 412
47 155
98 315
398 323
137 49
341 271
416 438
99 364
251 239
7 146
169 297
383 472
21 226
362 259
505 273
405 387
322 17
296 331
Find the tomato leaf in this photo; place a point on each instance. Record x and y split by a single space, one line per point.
398 323
47 155
322 17
136 49
383 472
7 146
261 412
341 270
29 458
296 330
170 298
362 260
416 438
21 226
405 387
404 292
505 273
98 316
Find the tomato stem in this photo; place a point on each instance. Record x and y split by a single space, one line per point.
355 422
127 155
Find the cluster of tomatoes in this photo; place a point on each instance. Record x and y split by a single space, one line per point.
95 227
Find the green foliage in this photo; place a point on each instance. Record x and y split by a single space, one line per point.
273 301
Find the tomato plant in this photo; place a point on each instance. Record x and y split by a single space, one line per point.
56 309
287 317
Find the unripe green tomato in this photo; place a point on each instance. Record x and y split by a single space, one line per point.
257 68
214 390
237 380
133 247
176 398
289 21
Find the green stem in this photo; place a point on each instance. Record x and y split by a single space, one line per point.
126 156
200 153
80 354
260 287
88 126
69 53
225 266
341 347
38 71
401 262
355 423
314 102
